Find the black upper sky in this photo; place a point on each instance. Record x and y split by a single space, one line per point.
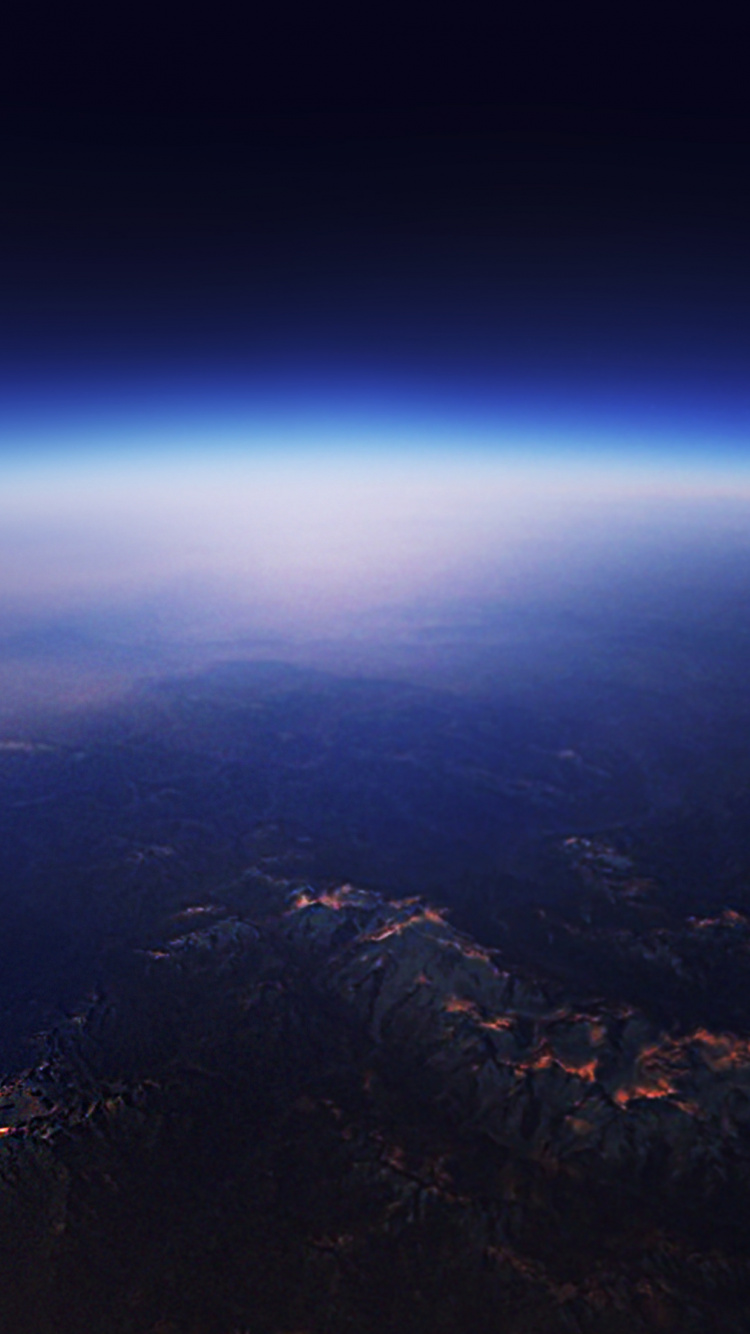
233 60
558 188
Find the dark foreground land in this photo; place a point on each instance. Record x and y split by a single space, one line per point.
340 1006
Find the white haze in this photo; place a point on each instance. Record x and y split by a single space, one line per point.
195 548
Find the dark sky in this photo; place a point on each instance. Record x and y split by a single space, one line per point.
233 60
495 205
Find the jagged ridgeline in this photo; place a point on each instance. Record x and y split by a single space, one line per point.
337 1109
262 1097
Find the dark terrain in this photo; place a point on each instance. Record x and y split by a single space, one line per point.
349 1005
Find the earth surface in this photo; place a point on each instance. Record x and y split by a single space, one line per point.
363 1000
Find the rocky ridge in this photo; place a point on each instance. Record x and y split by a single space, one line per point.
532 1161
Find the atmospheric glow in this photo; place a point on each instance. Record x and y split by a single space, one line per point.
292 535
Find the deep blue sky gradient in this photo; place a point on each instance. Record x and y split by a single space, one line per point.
560 286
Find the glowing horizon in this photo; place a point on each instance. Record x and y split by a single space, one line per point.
272 528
